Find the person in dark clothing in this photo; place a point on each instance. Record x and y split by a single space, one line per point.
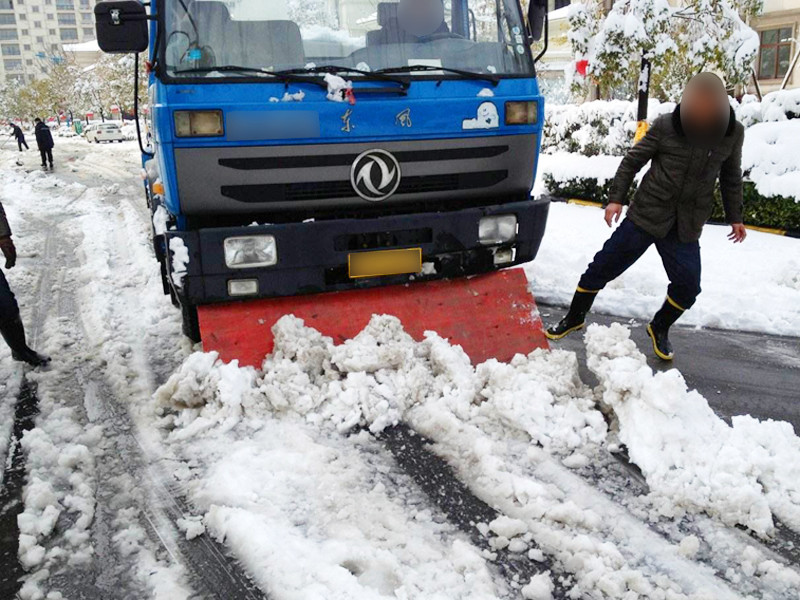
690 149
44 139
416 21
11 327
20 137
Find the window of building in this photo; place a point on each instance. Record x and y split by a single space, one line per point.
65 5
86 17
8 34
12 64
7 4
7 19
27 47
69 34
37 24
10 50
775 53
25 32
66 18
88 31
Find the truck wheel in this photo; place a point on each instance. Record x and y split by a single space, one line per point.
191 324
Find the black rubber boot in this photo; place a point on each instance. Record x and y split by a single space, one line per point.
575 319
658 329
13 333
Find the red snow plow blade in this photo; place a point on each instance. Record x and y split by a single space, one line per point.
489 316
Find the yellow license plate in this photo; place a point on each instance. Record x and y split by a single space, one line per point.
384 262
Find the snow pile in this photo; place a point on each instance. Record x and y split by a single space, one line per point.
286 451
693 460
376 378
770 157
60 480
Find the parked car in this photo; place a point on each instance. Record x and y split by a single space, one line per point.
66 131
104 132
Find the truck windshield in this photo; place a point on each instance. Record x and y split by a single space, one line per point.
476 36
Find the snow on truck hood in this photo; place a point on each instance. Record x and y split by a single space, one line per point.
284 448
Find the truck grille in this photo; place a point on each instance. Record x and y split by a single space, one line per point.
265 163
281 182
321 190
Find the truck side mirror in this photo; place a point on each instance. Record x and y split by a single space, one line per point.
537 14
121 26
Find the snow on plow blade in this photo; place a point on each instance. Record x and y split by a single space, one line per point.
490 316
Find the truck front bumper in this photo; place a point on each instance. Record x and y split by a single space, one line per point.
313 256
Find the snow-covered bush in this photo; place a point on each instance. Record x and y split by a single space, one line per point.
595 128
776 106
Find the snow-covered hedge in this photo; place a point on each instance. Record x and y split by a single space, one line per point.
607 127
585 144
775 212
595 128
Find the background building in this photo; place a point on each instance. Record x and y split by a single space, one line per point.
779 29
33 33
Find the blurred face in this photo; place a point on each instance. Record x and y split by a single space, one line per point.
705 113
420 17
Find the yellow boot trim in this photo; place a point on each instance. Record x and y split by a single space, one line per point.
584 291
555 338
658 352
675 304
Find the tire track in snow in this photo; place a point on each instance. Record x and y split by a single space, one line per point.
213 573
462 508
722 548
121 459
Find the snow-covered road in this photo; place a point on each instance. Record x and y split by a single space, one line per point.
147 462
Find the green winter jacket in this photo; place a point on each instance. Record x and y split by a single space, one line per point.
679 187
5 230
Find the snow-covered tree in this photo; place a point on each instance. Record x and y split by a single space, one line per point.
679 41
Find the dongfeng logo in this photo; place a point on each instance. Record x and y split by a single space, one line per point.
375 175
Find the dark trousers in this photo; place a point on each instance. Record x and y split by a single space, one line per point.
46 154
681 261
21 142
9 310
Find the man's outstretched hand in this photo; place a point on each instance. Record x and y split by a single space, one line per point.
738 233
613 213
9 251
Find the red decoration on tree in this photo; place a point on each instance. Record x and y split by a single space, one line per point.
581 67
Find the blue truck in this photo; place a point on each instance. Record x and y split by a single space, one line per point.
302 147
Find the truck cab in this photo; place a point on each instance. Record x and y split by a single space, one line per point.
303 147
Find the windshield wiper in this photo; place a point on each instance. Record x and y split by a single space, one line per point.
494 79
284 77
337 70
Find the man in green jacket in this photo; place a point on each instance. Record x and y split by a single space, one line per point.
690 149
10 322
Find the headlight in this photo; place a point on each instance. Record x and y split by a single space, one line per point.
199 123
251 252
522 113
497 230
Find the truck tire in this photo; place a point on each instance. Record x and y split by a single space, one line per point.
191 324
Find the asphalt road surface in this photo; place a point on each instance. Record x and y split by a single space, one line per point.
738 373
